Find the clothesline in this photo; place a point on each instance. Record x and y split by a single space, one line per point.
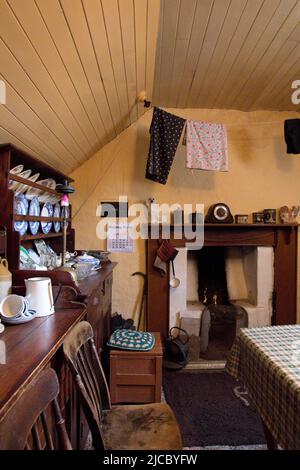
255 124
264 123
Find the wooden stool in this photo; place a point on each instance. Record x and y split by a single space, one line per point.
136 376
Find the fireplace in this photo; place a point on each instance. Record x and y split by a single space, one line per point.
222 290
273 247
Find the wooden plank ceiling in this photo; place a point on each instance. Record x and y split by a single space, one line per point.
73 68
232 54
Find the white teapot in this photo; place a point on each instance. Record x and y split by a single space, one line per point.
39 292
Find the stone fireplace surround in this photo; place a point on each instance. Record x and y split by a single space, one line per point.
282 239
250 283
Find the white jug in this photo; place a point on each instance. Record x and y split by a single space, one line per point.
39 292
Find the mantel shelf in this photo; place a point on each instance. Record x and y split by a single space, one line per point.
235 226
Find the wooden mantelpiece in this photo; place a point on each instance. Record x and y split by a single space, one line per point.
284 240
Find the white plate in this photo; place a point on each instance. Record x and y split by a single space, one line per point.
49 182
44 196
14 185
21 208
17 169
47 211
34 209
34 256
22 188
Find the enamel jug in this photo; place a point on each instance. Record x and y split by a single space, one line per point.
39 292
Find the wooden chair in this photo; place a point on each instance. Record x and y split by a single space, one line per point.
26 426
127 427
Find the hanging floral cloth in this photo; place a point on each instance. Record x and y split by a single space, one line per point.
206 146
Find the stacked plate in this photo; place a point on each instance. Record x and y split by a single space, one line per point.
30 204
21 187
88 259
43 196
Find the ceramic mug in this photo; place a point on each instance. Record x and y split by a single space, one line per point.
14 306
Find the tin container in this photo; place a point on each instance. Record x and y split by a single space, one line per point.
270 216
241 219
258 218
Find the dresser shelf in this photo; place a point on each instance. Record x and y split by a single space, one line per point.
33 184
39 218
11 156
38 236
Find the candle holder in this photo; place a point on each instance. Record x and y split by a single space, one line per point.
64 189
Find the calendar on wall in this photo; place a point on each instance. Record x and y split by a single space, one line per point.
119 239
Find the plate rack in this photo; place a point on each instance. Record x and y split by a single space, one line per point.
11 156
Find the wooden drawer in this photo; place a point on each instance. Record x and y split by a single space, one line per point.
136 377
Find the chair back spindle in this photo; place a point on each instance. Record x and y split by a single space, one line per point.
26 426
81 355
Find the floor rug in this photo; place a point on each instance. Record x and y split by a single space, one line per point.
209 412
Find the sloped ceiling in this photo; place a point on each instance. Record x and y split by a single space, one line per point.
73 68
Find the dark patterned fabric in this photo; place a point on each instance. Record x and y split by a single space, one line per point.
165 130
267 360
292 135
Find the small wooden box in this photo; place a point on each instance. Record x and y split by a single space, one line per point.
136 376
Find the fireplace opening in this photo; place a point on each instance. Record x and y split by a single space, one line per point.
222 290
221 320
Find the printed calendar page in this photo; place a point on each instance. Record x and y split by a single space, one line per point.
119 239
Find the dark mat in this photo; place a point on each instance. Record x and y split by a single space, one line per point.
208 412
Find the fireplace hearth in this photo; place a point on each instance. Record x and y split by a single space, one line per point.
272 246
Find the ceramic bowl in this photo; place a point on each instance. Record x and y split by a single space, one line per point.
13 306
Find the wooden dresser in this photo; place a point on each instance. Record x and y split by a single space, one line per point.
27 349
30 347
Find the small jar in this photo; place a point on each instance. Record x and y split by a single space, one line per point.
241 219
258 218
270 216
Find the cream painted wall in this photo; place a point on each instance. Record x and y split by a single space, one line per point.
261 176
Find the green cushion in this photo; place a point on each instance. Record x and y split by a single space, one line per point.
132 340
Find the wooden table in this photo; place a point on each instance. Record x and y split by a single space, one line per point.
27 349
136 376
267 360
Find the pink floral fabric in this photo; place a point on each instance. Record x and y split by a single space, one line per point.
206 146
